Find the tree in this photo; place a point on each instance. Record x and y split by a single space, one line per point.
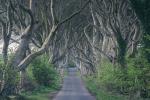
23 57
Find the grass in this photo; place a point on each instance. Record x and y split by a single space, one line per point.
43 93
101 94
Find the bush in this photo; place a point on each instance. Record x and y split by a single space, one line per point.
9 79
106 75
138 76
1 76
94 87
135 82
44 72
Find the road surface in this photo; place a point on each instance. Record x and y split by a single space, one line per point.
73 88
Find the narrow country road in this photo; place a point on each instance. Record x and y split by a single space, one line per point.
73 88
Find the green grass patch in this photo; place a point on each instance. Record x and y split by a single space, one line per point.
41 93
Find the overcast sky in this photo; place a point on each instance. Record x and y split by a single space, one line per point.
12 46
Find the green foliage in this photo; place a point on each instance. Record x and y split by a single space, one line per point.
94 87
134 83
138 73
111 77
106 74
1 69
44 72
11 75
9 79
44 77
1 74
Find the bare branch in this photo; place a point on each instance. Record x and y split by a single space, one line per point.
74 14
54 19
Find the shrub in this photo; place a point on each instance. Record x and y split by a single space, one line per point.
106 75
138 76
44 72
1 75
136 81
9 79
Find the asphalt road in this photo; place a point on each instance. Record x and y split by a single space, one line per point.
73 88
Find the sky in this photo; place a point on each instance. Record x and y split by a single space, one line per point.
12 46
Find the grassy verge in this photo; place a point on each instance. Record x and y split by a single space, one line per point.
100 94
43 93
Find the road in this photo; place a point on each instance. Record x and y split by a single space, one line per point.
73 88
